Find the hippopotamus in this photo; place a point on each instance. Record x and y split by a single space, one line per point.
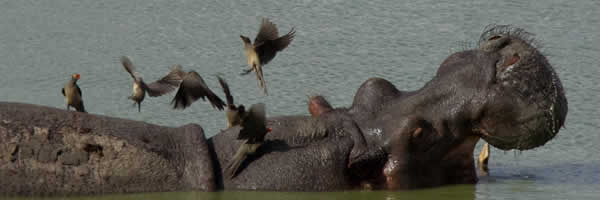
503 91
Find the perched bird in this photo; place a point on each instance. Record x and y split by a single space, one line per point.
266 45
253 131
482 161
193 88
157 88
233 113
72 94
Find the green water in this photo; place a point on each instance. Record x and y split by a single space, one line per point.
451 192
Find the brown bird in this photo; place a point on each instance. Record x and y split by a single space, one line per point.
193 88
72 94
266 45
157 88
253 131
482 161
233 113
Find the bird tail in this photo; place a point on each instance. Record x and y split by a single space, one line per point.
236 161
80 107
261 79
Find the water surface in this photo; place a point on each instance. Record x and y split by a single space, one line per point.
339 44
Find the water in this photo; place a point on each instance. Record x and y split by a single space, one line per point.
339 44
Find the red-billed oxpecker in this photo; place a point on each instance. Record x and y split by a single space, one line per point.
266 45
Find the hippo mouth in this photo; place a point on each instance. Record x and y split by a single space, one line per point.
538 106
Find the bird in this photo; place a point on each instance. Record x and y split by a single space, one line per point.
266 45
252 133
72 94
192 88
482 161
157 88
233 112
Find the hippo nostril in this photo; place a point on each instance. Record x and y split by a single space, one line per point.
495 37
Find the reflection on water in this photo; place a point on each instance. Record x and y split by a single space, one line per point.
459 192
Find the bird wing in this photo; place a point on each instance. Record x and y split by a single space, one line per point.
253 124
166 84
267 31
267 49
225 87
63 91
191 89
78 90
128 65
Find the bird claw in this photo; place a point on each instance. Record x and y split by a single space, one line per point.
245 72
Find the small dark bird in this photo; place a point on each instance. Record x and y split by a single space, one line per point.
266 45
72 94
233 113
193 88
157 88
253 131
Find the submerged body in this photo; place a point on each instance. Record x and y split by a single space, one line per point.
504 93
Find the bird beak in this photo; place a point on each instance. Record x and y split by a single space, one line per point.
245 39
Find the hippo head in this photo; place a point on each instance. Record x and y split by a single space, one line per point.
528 105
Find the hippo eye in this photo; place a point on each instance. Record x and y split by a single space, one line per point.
495 37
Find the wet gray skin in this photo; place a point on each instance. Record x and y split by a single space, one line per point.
504 92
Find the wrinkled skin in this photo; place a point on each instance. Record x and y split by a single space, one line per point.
503 91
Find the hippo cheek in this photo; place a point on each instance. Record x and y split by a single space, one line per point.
410 150
396 172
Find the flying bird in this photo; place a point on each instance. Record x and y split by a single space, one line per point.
253 131
193 88
157 88
266 45
233 112
72 94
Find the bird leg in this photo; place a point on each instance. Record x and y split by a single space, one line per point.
247 71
